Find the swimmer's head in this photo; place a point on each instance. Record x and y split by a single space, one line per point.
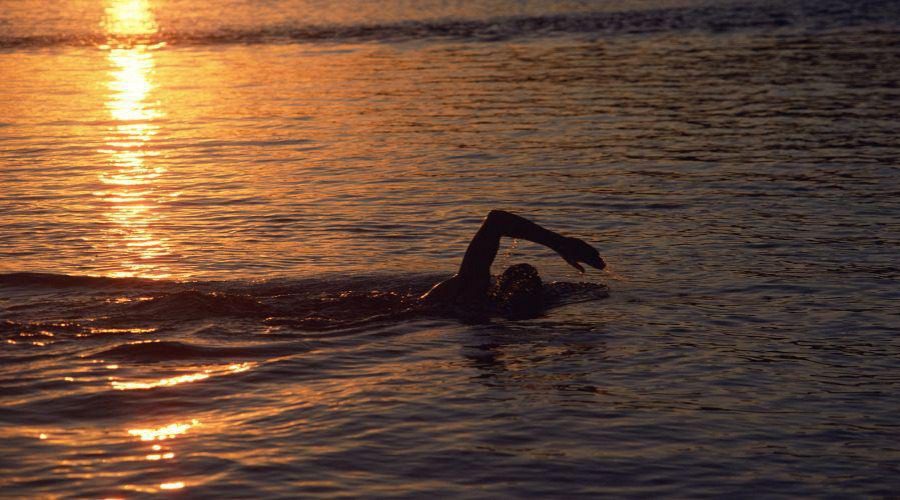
519 292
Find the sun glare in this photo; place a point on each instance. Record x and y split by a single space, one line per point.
182 379
166 382
128 18
130 85
131 199
165 432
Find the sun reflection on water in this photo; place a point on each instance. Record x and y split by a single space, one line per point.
165 432
165 382
129 18
182 379
132 203
158 434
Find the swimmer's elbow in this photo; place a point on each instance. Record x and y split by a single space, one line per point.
499 222
497 215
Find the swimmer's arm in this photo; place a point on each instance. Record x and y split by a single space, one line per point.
476 264
482 250
474 275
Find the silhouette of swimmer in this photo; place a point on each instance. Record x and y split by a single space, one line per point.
518 292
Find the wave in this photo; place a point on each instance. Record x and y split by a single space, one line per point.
95 306
168 350
814 15
52 407
194 304
28 279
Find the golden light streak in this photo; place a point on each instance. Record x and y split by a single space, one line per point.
130 84
240 367
165 382
182 379
132 203
42 333
172 486
165 432
129 18
121 330
122 300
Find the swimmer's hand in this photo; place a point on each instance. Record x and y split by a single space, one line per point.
574 250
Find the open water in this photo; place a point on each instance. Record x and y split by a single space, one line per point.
214 216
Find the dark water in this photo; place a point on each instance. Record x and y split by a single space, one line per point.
214 220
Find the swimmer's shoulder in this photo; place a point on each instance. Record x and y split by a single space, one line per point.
458 290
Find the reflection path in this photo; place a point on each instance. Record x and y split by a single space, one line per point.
132 204
131 195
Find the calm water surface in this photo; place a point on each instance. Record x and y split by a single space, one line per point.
212 219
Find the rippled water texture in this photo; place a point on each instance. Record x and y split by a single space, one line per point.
215 218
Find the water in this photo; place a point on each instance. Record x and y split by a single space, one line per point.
215 218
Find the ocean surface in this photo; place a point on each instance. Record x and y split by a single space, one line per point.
215 218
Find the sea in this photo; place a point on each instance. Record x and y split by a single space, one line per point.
215 216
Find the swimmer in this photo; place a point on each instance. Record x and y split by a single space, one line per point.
518 291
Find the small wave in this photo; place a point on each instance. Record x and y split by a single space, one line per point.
94 306
194 304
160 350
39 327
98 405
722 18
25 279
561 293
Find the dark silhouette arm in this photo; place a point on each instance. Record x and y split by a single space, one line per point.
476 264
474 275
